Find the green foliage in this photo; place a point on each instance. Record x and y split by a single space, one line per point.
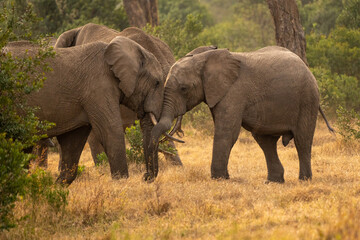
337 89
101 159
80 170
174 10
19 127
320 15
350 15
41 188
348 123
339 52
135 153
58 16
12 177
200 118
181 37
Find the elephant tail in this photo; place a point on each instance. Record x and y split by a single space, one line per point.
326 121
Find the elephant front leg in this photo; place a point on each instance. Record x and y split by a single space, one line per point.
114 144
108 128
226 134
71 145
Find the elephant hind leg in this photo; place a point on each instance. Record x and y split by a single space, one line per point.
274 166
95 147
303 146
71 145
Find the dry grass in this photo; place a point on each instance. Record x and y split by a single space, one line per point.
185 203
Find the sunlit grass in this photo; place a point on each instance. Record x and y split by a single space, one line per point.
185 203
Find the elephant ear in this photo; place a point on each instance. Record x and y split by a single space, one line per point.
125 58
67 39
221 70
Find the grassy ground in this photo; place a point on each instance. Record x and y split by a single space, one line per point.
185 203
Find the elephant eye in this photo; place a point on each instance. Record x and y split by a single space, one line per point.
157 84
183 89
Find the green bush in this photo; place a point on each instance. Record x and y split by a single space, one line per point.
335 61
348 122
41 189
135 153
12 178
101 159
181 37
19 127
200 118
337 90
61 15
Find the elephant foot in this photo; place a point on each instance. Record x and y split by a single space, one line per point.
220 176
305 178
64 181
148 177
281 181
118 176
278 178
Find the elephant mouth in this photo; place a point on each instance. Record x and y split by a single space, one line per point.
140 114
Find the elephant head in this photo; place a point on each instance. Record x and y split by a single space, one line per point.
139 74
205 76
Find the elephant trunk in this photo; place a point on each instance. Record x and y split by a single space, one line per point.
159 129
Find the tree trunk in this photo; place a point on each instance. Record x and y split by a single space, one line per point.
141 12
288 30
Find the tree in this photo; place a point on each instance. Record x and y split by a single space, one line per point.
288 30
141 12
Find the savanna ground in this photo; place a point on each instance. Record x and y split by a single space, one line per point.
185 203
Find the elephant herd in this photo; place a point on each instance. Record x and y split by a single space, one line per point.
103 80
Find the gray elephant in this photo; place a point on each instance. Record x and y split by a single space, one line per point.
84 92
94 32
269 92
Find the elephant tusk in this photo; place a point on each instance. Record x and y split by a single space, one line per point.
153 119
177 125
172 138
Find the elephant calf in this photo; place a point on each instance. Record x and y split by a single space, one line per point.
269 92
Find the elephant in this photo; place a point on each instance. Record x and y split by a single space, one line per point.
269 92
84 91
93 32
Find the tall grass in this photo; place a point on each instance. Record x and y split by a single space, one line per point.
185 203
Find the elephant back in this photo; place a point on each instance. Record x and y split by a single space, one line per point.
93 32
154 45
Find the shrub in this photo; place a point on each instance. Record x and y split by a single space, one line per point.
181 37
337 89
135 153
41 189
101 159
348 122
17 131
12 178
200 118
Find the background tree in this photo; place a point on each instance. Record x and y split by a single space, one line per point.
288 30
141 12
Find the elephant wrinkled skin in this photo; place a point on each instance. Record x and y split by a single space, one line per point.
94 32
84 92
270 92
